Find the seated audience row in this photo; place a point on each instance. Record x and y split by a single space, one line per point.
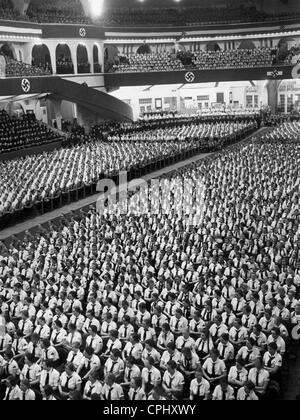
187 16
148 62
258 57
19 133
33 179
220 117
58 11
194 302
71 11
7 11
19 69
201 60
205 131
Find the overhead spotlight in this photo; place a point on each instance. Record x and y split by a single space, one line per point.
96 8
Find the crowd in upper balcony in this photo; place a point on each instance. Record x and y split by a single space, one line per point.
44 11
19 69
258 57
71 11
64 65
202 60
188 16
294 55
59 11
7 11
19 133
148 62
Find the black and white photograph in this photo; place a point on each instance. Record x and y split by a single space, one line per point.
149 203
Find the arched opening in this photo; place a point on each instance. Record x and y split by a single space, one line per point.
97 65
41 57
83 60
213 46
8 51
111 57
144 49
64 64
247 45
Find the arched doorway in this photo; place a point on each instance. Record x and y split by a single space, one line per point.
97 65
144 49
64 64
247 45
213 46
83 60
41 57
8 51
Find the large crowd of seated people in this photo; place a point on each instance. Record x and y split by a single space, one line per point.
19 133
180 126
186 16
201 60
71 11
137 63
16 68
28 180
294 55
58 11
64 65
7 11
226 111
155 305
207 132
84 67
258 57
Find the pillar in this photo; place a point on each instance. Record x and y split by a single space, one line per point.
73 49
52 49
272 89
90 57
57 112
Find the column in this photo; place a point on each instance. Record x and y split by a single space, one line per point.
52 49
73 49
57 111
91 57
272 89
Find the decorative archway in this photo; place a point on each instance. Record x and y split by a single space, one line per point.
64 64
213 46
41 57
7 50
83 64
247 45
144 49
